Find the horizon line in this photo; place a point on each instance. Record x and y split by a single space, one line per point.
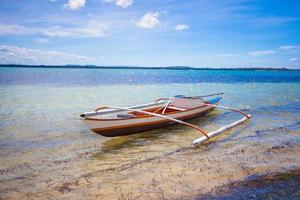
175 67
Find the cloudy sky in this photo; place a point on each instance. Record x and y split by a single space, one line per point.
199 33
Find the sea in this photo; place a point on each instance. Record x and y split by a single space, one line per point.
47 152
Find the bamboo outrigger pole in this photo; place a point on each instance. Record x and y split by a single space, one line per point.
224 128
220 130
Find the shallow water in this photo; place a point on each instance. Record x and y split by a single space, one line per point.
47 152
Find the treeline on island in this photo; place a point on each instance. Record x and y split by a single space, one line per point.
140 67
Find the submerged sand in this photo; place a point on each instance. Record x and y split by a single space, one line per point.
122 168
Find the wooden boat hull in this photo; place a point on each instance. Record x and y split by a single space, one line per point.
121 127
119 121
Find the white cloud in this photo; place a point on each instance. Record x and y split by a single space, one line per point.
293 59
149 20
14 29
42 40
288 47
89 30
181 27
124 3
261 53
74 4
121 3
18 55
93 29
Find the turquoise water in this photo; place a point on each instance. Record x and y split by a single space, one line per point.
40 128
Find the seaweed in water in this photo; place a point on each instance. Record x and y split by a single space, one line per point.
277 186
285 128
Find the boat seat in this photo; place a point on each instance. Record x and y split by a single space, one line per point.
125 116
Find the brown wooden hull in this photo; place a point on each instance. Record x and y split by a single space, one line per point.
137 128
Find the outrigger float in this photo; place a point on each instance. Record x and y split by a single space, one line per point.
119 121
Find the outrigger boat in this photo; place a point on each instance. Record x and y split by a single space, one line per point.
119 121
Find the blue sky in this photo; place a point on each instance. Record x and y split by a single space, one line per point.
198 33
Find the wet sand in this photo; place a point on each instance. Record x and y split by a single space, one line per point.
111 173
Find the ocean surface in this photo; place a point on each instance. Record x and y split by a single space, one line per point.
47 152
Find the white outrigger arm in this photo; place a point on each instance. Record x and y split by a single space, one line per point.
224 128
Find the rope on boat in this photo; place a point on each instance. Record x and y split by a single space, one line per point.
165 117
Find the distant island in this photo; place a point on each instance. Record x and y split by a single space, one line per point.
138 67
